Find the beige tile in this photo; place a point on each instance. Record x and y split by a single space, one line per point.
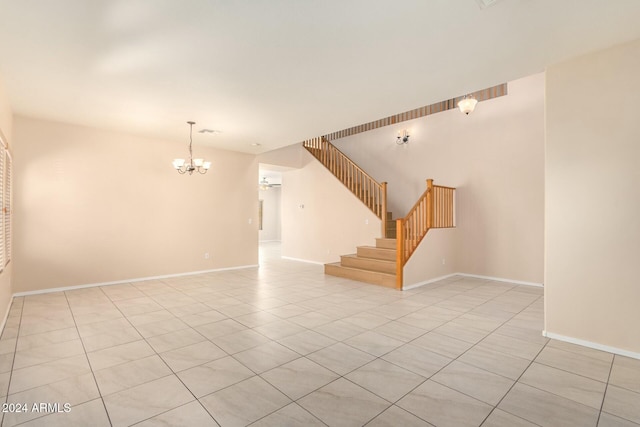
340 330
6 362
608 420
340 358
192 355
575 363
8 345
162 327
299 377
47 353
191 414
119 354
74 390
240 341
155 316
385 379
257 318
102 327
444 407
442 344
120 377
218 329
475 382
623 403
546 409
147 400
245 402
89 413
290 415
174 340
395 417
213 376
575 387
134 306
280 329
417 360
499 418
374 343
511 346
47 338
46 373
498 363
400 331
366 320
110 338
266 356
586 351
4 383
342 403
626 373
311 319
526 334
306 342
464 333
203 318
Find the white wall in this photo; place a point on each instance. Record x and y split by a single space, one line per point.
271 217
592 278
495 158
6 125
332 222
95 206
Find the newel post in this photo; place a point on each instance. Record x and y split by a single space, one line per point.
383 190
430 203
399 252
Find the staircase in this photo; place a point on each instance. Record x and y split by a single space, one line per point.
383 263
370 264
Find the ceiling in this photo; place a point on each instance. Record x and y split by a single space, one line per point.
276 72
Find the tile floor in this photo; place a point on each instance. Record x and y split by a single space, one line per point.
284 345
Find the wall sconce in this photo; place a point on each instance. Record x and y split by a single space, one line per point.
467 104
403 137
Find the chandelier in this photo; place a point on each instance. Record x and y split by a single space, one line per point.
198 165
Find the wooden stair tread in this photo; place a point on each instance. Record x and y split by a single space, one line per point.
369 259
361 275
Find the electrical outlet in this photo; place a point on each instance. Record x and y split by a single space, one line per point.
366 222
206 255
250 220
444 261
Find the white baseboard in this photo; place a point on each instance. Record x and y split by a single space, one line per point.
426 282
6 316
590 344
268 241
120 282
500 279
303 260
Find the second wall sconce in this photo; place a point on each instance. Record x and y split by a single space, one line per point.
403 137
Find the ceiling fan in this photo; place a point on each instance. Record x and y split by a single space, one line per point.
265 185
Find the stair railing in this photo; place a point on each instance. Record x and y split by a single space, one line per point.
370 192
434 209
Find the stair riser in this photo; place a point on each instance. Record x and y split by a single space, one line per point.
386 243
377 253
361 276
368 264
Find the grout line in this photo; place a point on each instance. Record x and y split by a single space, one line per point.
87 358
606 387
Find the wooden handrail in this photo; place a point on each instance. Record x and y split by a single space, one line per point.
434 209
370 192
